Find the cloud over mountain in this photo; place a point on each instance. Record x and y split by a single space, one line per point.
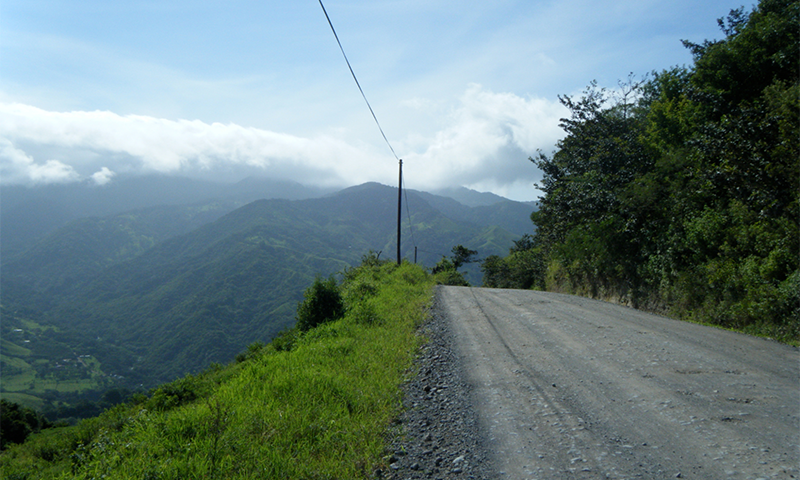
16 166
483 139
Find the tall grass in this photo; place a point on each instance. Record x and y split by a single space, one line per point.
317 411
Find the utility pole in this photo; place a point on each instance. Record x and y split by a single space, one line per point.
399 209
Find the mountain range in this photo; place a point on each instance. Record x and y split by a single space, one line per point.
165 288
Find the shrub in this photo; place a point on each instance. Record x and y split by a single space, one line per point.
523 269
17 422
446 270
173 395
445 273
252 350
322 303
286 339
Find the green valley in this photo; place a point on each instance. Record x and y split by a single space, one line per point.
148 298
318 409
172 306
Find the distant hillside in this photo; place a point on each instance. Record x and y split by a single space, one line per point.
86 246
510 215
470 198
29 213
151 295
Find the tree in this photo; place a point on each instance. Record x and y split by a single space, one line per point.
462 255
17 422
523 268
322 303
581 221
685 193
446 269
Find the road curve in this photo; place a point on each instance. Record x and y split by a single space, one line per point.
568 387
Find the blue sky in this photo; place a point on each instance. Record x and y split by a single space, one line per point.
466 91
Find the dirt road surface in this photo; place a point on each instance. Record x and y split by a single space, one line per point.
568 387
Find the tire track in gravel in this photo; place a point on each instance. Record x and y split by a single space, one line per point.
567 387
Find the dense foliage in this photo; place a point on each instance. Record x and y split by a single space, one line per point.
318 409
680 193
524 267
143 297
446 270
321 303
17 422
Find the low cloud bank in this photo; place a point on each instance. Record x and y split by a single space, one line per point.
484 139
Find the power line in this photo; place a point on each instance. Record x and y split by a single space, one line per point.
401 185
356 79
408 212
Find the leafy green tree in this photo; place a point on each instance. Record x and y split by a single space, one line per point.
581 218
322 303
683 192
462 255
496 273
523 268
446 270
17 422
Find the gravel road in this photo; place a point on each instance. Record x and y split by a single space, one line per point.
534 385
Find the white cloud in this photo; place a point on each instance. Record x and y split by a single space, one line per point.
103 176
16 167
487 141
147 144
482 139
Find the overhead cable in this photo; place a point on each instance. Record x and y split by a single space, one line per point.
356 79
408 212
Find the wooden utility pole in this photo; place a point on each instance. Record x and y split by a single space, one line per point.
399 209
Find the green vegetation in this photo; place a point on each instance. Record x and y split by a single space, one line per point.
321 303
681 193
317 409
154 294
85 247
42 368
18 422
446 270
523 268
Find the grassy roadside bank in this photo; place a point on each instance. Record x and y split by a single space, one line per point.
315 407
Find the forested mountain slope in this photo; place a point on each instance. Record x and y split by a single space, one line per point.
511 216
86 246
29 213
152 314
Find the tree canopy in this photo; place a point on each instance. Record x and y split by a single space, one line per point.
679 192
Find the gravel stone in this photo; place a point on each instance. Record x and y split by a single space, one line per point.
438 436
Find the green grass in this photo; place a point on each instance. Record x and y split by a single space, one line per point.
28 381
20 382
14 362
24 399
318 411
28 324
10 348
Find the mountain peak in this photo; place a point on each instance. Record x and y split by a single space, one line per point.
469 197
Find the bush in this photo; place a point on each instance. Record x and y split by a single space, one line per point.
322 303
286 339
173 395
252 350
445 273
17 422
446 270
523 269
